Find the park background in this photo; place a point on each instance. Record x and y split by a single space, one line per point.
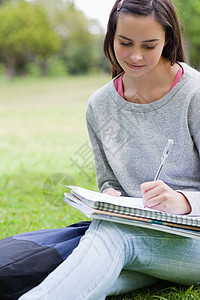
51 61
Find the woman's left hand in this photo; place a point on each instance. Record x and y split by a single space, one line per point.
159 196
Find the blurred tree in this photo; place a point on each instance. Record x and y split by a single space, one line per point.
1 2
32 30
81 39
189 12
25 33
78 42
100 62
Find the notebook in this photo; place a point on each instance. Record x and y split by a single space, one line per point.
131 211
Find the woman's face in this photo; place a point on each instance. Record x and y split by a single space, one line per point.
138 44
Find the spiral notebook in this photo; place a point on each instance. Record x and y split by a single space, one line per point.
128 210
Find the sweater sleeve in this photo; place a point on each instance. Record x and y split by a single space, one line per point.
194 126
194 200
105 177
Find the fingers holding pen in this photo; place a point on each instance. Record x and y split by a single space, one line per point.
159 196
151 192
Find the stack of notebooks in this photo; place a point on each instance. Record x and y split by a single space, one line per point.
131 211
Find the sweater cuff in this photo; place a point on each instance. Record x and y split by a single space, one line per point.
194 200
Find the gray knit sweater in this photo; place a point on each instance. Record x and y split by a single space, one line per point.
128 139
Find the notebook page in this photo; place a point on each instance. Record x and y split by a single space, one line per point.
101 197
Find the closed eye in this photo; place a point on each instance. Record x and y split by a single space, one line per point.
126 44
149 47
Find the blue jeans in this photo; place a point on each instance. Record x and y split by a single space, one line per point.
115 258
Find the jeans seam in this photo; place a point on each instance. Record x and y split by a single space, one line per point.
133 253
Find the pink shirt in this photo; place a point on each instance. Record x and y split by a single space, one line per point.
119 83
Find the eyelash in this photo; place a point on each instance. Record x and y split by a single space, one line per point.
125 45
130 44
150 47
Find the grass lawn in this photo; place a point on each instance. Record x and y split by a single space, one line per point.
43 137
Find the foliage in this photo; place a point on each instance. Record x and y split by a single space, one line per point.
78 43
32 32
189 12
25 33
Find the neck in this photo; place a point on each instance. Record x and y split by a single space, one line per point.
157 83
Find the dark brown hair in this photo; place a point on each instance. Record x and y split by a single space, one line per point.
163 11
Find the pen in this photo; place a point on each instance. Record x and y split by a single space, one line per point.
164 157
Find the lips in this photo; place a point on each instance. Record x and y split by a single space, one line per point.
135 67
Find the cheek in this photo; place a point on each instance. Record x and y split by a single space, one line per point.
154 57
120 53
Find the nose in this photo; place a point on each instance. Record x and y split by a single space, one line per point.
136 54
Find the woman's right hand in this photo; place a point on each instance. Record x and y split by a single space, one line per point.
113 192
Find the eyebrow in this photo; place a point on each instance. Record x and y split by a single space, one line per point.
147 41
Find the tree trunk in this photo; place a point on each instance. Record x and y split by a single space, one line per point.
10 68
43 67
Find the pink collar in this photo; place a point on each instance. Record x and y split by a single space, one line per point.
119 83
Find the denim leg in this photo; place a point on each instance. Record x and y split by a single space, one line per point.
166 256
94 269
129 281
90 271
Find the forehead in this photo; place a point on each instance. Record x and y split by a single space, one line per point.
134 26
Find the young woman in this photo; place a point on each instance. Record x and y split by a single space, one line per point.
154 96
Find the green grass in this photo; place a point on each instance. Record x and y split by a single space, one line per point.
42 125
42 129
